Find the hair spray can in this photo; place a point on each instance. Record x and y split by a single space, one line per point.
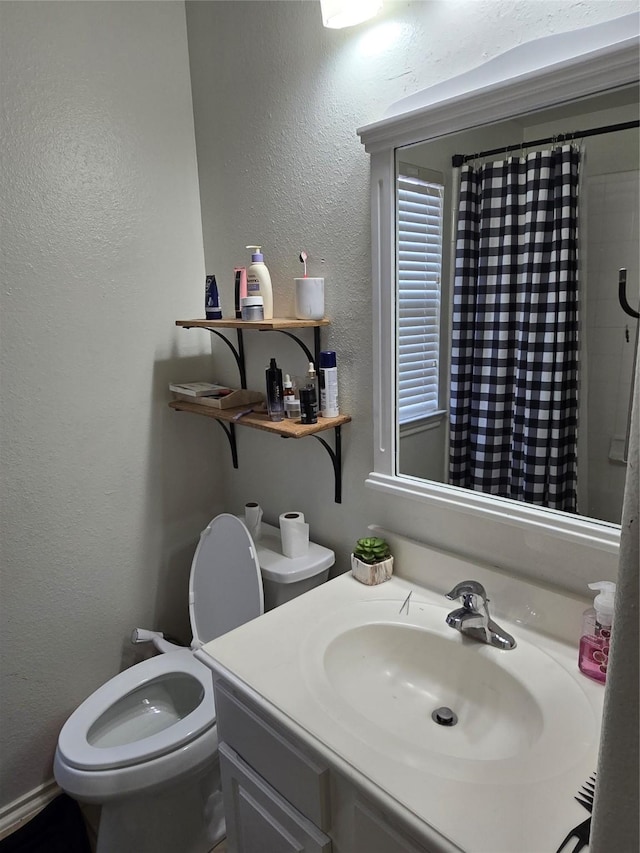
328 375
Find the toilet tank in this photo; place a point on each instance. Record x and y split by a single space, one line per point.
284 578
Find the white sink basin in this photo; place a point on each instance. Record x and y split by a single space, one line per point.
381 674
397 675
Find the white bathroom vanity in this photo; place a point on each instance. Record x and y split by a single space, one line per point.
324 710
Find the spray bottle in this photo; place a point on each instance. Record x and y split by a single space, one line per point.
275 392
328 385
597 623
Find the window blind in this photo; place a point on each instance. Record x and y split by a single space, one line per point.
419 215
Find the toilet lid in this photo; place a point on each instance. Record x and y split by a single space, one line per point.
225 587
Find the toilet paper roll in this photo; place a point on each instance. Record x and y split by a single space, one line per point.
294 533
253 519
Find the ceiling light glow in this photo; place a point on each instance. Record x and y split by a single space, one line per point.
337 14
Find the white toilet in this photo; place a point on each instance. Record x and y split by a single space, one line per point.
144 745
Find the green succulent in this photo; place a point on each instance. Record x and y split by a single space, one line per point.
371 550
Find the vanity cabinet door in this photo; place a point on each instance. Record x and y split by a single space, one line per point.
258 819
374 834
298 776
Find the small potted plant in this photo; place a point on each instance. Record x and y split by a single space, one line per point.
371 561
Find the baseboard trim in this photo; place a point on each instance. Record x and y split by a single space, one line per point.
13 815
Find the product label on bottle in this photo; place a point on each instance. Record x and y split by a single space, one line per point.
594 653
253 285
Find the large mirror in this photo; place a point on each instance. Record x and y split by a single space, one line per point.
468 439
519 108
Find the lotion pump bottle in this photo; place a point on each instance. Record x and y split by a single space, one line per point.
259 281
597 623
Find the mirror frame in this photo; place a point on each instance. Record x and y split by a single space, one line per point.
534 76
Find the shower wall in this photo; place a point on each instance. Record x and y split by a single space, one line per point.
613 227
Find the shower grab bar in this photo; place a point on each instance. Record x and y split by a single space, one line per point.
624 304
622 295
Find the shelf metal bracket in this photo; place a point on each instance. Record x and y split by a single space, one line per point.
316 343
336 459
230 432
622 295
238 354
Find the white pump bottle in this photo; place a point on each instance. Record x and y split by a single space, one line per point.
259 281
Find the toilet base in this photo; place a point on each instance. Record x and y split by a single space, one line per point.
188 817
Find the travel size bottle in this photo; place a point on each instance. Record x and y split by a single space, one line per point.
597 624
311 385
308 406
275 392
291 402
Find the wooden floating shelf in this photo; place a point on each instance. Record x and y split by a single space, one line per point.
228 419
263 325
257 420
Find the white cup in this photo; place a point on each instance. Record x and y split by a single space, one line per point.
310 298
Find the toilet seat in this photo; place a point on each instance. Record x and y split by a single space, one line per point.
111 729
75 741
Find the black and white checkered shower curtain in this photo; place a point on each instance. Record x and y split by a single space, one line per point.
514 374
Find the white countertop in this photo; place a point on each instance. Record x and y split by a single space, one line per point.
488 806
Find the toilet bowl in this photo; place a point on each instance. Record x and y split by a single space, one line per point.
144 745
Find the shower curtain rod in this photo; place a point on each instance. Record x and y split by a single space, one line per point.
458 159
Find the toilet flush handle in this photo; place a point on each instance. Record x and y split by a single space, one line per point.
141 635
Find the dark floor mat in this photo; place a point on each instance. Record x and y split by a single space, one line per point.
58 828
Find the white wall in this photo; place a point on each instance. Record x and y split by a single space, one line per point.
613 217
277 100
104 489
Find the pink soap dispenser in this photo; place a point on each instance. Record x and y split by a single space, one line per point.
597 623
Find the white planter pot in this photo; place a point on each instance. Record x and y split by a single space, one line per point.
371 573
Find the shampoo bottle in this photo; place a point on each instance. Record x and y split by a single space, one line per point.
275 393
259 281
597 623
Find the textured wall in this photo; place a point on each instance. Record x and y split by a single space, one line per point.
104 489
277 100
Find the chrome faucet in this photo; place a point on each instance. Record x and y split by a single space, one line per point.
476 622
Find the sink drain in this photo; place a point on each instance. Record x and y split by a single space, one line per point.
444 717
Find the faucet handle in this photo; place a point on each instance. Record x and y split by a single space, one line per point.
466 589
